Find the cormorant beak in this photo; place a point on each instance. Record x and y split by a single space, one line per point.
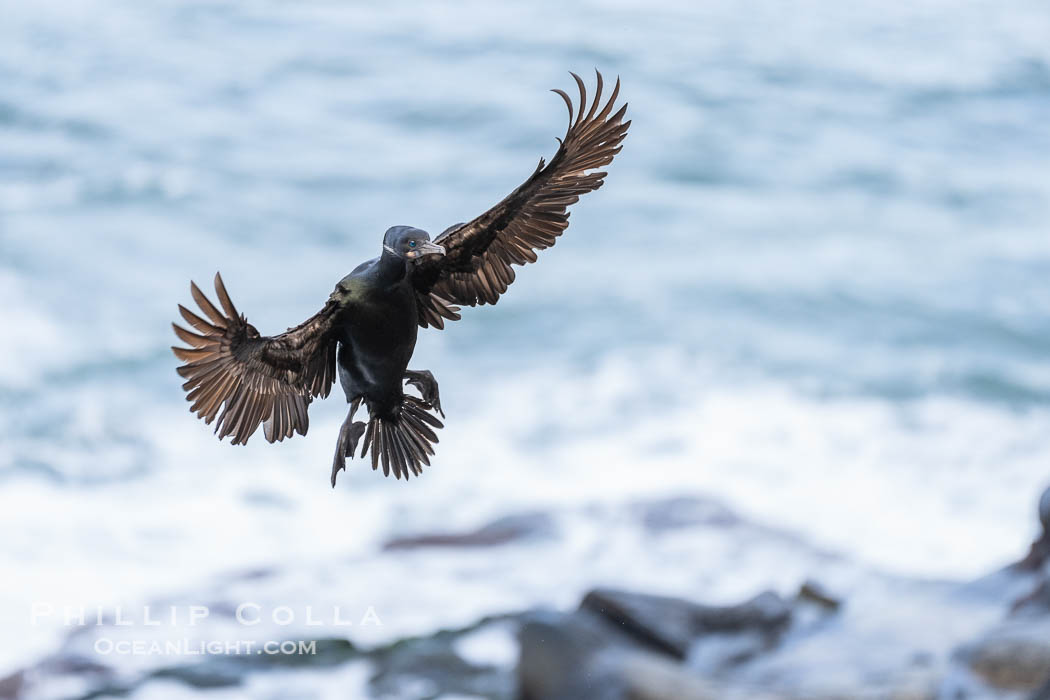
429 248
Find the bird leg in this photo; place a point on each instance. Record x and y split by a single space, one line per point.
349 434
428 387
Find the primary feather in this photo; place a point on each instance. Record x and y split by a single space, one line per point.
476 268
241 379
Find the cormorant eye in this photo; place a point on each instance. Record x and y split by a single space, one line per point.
411 244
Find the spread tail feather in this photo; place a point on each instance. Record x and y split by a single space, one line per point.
403 444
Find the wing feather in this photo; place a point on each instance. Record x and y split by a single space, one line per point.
243 380
476 268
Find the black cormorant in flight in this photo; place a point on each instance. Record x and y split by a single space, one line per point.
366 332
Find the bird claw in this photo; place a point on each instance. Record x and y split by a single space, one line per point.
424 381
349 434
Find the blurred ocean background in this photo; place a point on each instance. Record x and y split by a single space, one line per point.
815 288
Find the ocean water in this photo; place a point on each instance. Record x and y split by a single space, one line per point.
815 287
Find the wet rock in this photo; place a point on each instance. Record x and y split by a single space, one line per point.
581 655
1044 511
222 670
73 664
512 528
1037 602
1043 693
814 592
556 653
673 625
1039 553
685 512
650 677
1014 656
211 671
432 667
426 669
66 668
257 574
204 676
11 686
327 651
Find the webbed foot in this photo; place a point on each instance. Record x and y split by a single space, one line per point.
428 387
349 434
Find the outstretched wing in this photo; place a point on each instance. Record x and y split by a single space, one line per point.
476 267
246 379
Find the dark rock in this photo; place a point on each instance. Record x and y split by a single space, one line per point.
684 512
222 608
556 653
230 670
1039 553
59 667
580 655
11 686
205 675
512 528
647 676
1035 603
814 592
73 664
327 651
1043 693
1013 656
256 574
1044 511
672 625
430 667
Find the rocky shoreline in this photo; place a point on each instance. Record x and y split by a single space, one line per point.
896 638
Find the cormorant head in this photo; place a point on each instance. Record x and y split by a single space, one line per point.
410 243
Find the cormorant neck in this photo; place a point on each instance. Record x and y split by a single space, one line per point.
392 269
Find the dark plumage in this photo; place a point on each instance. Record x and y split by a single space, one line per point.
366 331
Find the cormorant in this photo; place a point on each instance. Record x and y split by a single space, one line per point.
366 331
